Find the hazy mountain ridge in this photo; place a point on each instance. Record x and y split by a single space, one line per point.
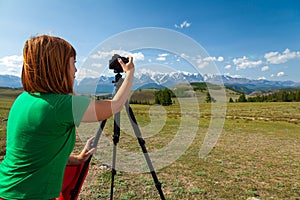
158 80
10 81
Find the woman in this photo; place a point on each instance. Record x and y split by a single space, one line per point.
41 123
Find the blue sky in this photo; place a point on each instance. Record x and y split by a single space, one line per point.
256 39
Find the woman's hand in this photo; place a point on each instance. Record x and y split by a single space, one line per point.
128 66
86 152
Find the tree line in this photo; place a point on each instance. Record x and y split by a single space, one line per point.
162 97
281 96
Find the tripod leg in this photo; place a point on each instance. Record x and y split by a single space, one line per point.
75 191
116 138
98 134
144 149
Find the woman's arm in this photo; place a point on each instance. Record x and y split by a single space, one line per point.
99 110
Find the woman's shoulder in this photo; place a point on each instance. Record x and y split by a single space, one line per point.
55 100
63 99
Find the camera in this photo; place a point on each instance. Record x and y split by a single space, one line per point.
115 65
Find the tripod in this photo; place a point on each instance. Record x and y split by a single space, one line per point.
116 136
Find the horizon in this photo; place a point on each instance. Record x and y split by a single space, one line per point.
254 39
140 72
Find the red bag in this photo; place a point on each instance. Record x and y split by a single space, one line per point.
71 176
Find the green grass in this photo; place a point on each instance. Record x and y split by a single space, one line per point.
7 96
257 155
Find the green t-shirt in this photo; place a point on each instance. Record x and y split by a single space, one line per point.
40 137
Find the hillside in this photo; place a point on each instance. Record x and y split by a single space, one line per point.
6 92
198 89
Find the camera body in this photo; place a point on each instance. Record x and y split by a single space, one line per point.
115 65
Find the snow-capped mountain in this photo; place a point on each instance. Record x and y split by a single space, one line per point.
158 80
167 79
148 79
142 80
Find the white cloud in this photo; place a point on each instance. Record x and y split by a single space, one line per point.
139 56
204 62
183 55
244 63
280 74
285 56
209 59
213 58
203 65
162 57
86 72
262 78
184 24
11 65
265 68
98 65
220 59
11 61
227 67
108 54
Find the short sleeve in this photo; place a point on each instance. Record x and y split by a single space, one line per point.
79 106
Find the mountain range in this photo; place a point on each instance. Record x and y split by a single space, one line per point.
104 84
10 81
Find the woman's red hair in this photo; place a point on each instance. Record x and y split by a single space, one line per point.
46 66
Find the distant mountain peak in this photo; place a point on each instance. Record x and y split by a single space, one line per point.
148 78
10 81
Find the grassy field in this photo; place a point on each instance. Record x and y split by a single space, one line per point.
7 96
257 155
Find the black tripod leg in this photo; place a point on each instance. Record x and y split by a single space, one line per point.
144 149
98 134
74 192
116 138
